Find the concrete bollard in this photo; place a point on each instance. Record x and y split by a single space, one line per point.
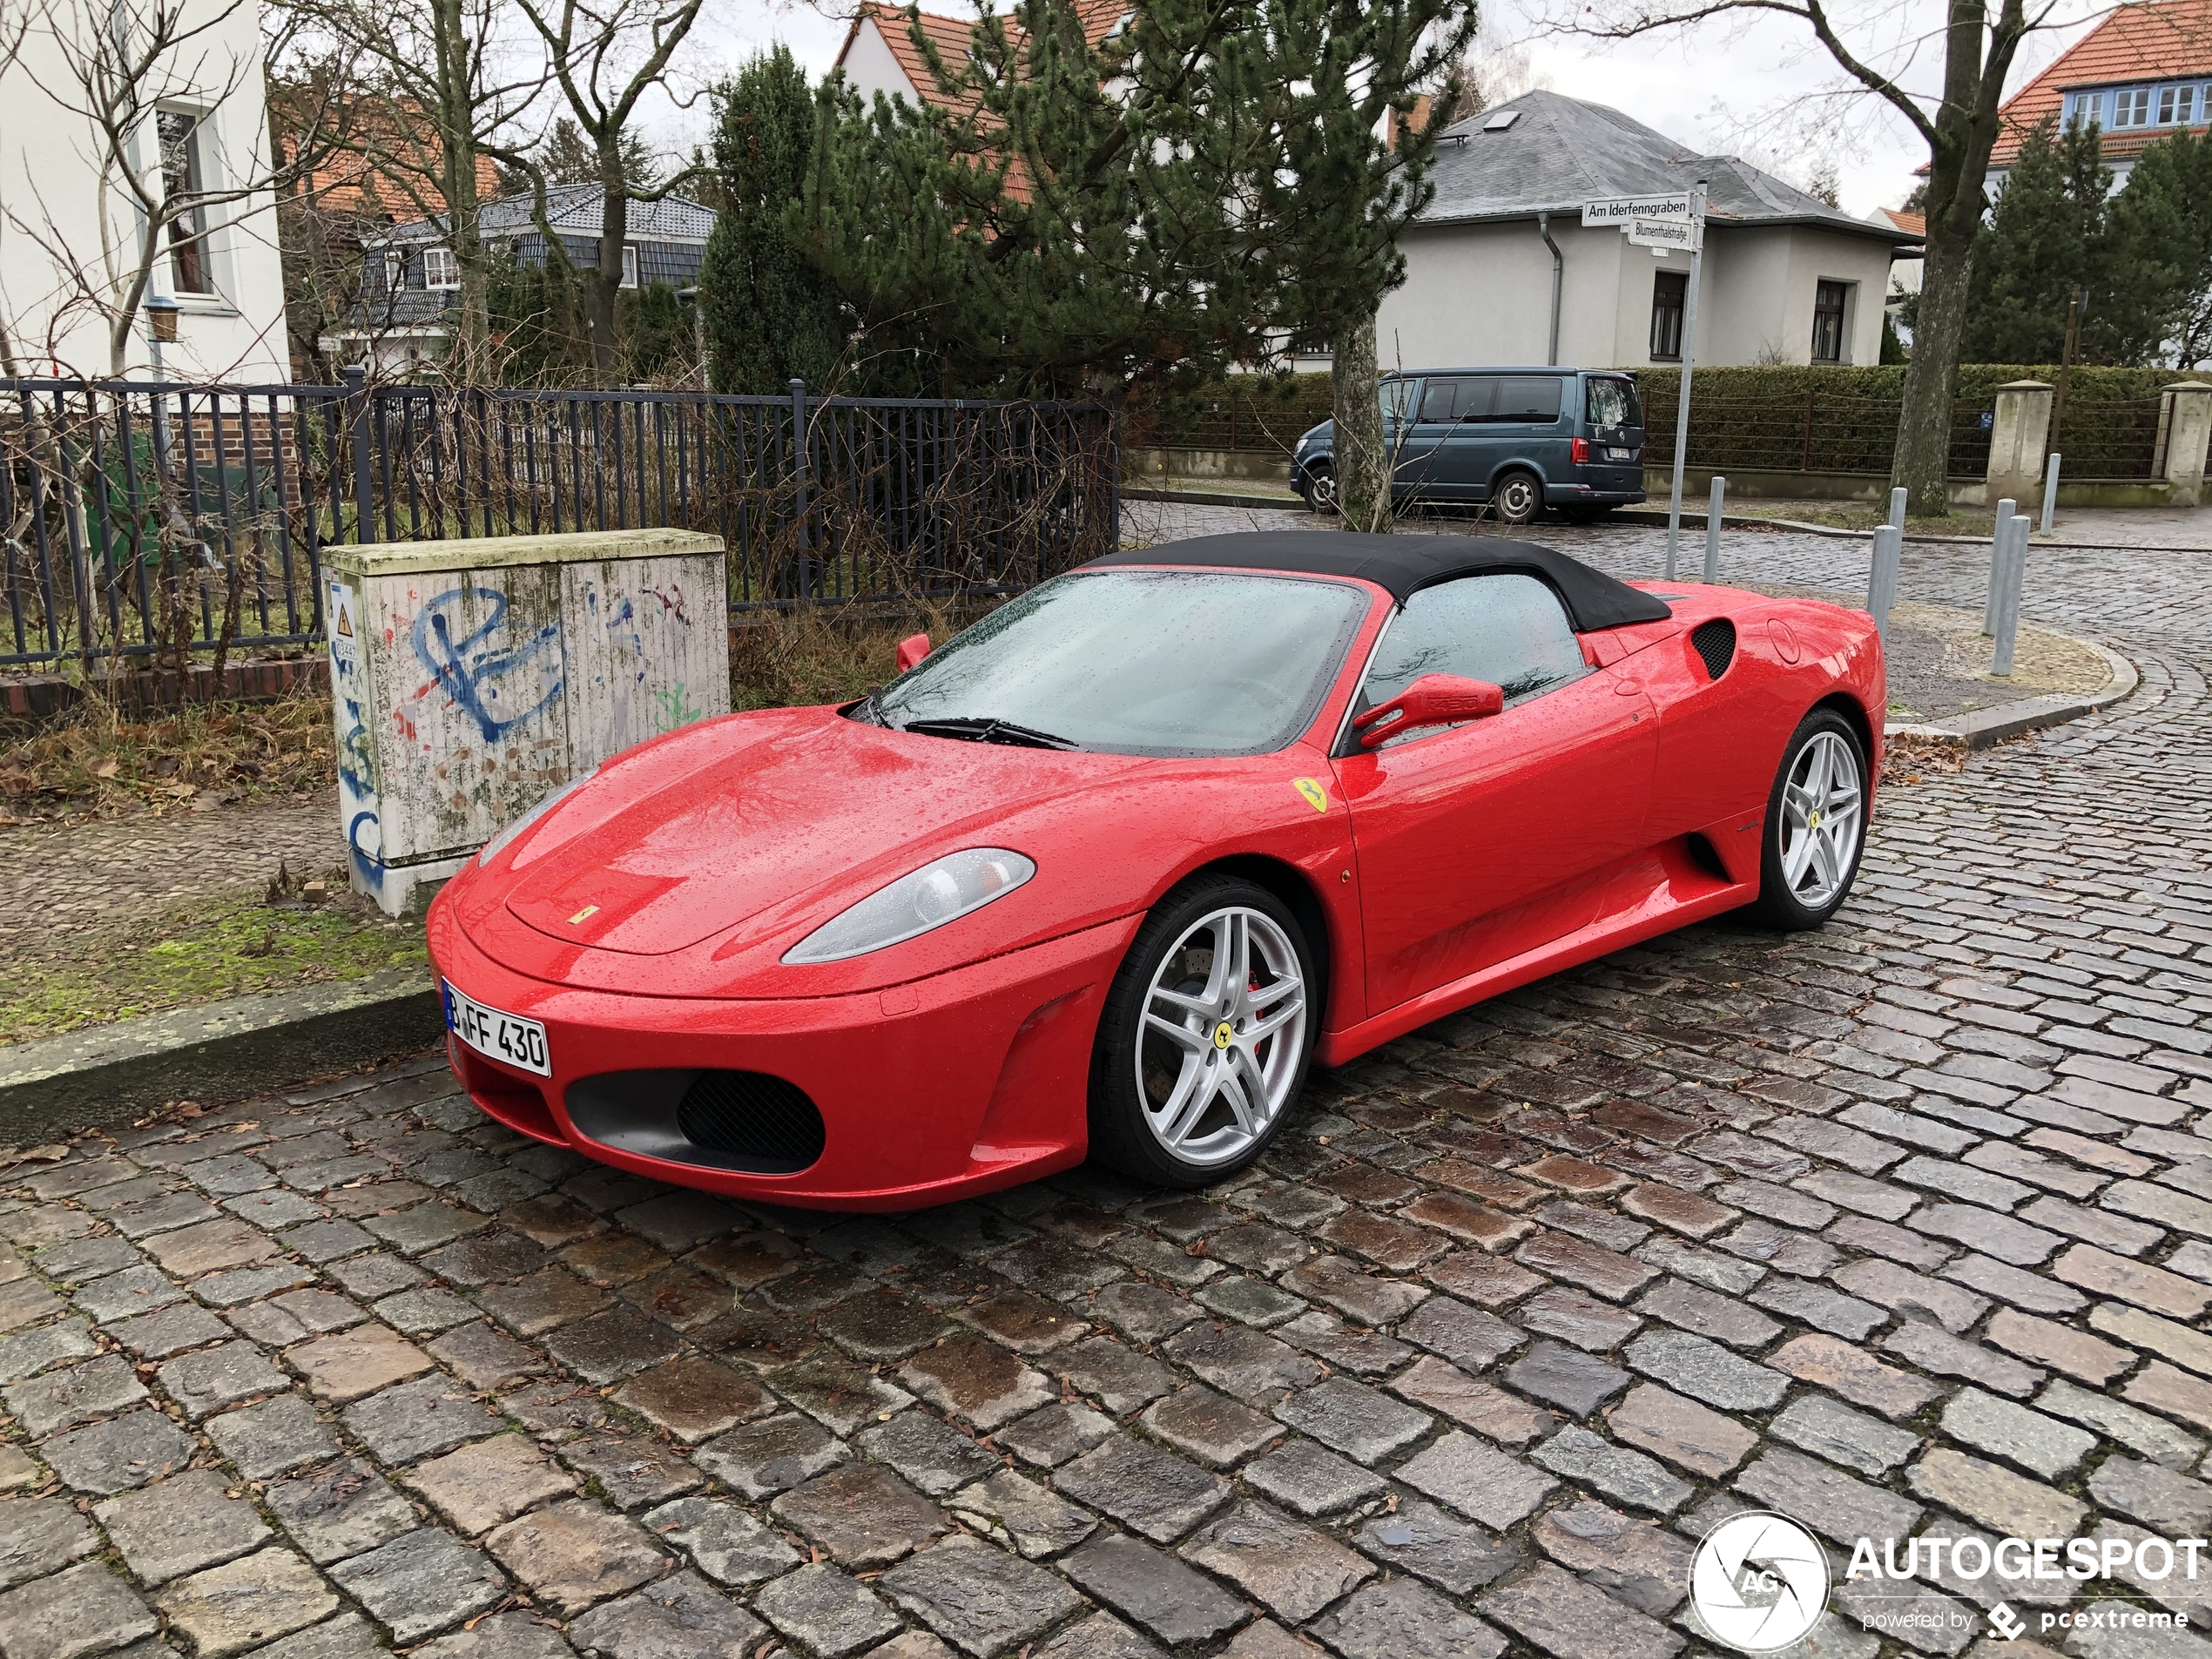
1713 528
1881 581
2050 490
2008 607
1897 508
1996 567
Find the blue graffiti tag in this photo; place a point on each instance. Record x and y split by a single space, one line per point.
471 676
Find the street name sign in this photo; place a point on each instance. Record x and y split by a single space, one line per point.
1621 211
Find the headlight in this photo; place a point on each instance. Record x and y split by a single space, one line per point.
913 904
531 817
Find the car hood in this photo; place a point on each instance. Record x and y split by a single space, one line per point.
774 810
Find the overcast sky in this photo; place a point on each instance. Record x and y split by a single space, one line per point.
1762 90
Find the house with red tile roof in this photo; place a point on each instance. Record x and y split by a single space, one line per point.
879 54
2142 74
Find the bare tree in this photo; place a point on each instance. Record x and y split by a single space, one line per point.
1882 50
123 68
435 85
605 58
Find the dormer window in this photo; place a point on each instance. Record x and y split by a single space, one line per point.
440 268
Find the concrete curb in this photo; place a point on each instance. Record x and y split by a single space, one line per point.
1216 498
1984 727
113 1073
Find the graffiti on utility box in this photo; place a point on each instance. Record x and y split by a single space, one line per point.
479 676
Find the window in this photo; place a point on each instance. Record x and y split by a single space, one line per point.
1530 398
1508 629
394 270
1397 397
1612 403
178 134
1446 402
2131 107
440 268
1669 289
2176 105
1144 662
1828 299
629 265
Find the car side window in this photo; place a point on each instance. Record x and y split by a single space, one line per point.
1531 398
1441 401
1509 629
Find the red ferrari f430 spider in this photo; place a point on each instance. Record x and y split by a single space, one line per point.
1107 872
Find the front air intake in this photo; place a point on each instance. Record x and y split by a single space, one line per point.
717 1120
766 1120
1715 641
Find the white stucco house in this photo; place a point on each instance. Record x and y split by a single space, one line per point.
1787 279
203 142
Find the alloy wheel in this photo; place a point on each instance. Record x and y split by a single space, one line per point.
1821 806
1223 1028
1517 499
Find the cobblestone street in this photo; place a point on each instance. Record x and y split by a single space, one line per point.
1904 1227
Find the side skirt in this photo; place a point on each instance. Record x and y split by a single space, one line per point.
1677 895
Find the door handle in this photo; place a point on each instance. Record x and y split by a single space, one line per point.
1628 688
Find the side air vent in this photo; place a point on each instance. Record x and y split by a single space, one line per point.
1715 641
766 1121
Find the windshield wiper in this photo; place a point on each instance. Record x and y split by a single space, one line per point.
975 728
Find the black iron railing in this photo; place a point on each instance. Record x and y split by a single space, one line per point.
171 522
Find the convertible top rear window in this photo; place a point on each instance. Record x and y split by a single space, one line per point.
1139 661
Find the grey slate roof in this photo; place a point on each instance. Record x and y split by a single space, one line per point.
1562 152
570 207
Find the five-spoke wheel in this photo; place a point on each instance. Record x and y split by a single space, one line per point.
1203 1042
1816 823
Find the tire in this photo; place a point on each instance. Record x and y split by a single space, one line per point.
1809 854
1148 1078
1319 489
1517 498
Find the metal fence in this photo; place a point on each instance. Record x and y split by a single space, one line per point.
167 521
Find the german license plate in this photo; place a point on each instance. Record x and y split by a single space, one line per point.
507 1038
1614 452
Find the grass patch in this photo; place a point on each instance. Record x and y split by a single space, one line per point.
99 761
198 952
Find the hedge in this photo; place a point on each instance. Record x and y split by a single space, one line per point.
1785 417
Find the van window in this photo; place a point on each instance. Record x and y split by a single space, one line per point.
1611 402
1397 397
1444 400
1528 397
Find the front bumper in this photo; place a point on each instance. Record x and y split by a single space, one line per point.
957 1084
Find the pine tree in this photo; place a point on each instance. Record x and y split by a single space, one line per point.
770 314
2043 243
1208 184
2158 256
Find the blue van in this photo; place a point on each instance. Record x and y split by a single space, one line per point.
1520 438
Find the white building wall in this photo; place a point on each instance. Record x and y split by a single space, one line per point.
51 260
1478 295
871 68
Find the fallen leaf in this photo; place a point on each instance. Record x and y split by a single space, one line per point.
106 768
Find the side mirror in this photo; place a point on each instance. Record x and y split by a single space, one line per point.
1433 699
911 650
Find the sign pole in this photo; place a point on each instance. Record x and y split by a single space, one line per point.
1688 355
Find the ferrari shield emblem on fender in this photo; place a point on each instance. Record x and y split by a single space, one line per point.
1316 796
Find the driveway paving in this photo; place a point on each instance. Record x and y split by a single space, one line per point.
1904 1225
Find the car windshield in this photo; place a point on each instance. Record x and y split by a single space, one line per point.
1137 662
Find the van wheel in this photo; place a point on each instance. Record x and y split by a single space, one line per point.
1517 498
1319 489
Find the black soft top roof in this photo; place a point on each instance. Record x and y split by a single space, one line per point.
1405 565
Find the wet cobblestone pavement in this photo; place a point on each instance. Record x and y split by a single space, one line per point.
1906 1226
